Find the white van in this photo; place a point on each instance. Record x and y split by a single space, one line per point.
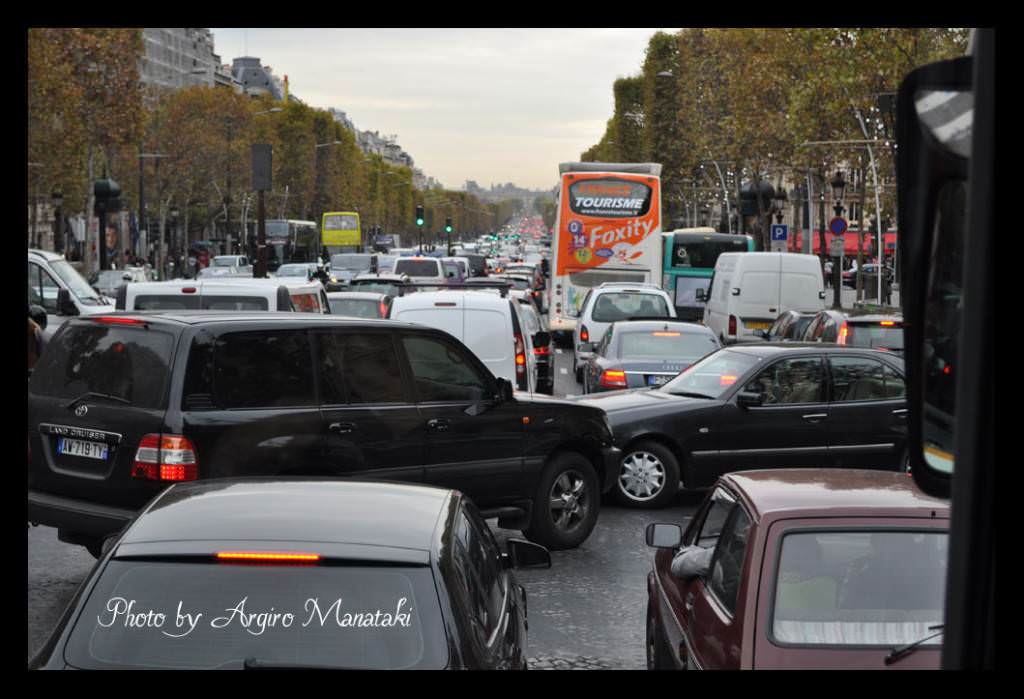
749 290
58 287
280 294
487 323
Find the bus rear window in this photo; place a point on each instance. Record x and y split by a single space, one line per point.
609 197
209 615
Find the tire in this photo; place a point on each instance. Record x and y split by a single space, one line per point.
657 653
579 373
568 477
648 477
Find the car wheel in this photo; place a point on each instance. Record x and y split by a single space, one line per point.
648 477
657 654
566 503
579 373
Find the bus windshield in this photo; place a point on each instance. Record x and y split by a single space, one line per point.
696 251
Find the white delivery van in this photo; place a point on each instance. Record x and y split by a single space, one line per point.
487 323
58 287
749 290
241 294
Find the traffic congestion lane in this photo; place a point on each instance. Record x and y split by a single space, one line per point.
55 570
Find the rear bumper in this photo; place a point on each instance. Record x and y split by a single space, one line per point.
78 516
612 458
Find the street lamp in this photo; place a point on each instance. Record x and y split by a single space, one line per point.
838 189
779 200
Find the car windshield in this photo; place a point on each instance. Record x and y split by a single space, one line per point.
76 282
352 263
713 375
611 307
875 335
185 615
356 308
293 271
857 588
225 261
676 345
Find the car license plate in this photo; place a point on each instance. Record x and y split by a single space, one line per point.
657 380
80 447
757 325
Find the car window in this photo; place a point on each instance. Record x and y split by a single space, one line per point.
875 336
150 302
856 378
478 568
42 288
727 562
882 588
263 369
233 303
895 386
441 372
706 533
611 307
359 368
789 381
830 330
686 346
356 308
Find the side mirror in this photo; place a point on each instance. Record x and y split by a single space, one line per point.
38 314
65 306
542 339
663 536
523 554
504 390
749 399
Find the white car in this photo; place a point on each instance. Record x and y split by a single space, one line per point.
421 269
611 302
240 263
281 294
58 287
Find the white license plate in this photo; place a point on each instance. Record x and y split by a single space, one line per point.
80 447
657 380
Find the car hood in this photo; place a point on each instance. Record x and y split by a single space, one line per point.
640 400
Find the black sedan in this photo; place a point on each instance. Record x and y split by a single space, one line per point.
637 353
300 573
767 405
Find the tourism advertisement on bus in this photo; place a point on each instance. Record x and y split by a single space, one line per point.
608 230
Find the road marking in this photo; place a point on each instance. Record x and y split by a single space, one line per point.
564 370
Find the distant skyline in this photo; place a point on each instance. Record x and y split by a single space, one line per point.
490 105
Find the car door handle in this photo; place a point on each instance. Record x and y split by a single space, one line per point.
689 602
900 413
815 417
341 427
439 424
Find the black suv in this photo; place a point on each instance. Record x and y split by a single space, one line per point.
121 405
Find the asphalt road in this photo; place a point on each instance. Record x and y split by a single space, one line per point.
587 611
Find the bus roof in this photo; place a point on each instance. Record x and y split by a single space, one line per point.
628 168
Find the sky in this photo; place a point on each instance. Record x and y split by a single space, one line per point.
490 105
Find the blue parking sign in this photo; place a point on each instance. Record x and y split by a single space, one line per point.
780 231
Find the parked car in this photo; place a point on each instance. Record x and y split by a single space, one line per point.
489 324
639 353
350 575
749 290
790 325
240 264
121 405
873 328
359 304
771 405
58 287
609 303
809 569
241 294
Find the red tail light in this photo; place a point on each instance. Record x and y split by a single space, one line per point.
542 350
383 310
113 320
732 325
520 362
844 330
165 457
613 378
268 556
584 335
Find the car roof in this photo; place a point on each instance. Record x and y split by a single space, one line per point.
763 349
643 325
827 491
46 255
476 298
341 518
359 295
198 317
233 285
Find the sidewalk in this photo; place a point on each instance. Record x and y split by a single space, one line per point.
849 296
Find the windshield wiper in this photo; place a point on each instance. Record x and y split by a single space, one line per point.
93 394
900 652
688 394
252 663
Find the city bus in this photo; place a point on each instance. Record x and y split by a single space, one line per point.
288 241
607 229
341 232
690 255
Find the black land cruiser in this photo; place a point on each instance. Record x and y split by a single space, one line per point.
121 405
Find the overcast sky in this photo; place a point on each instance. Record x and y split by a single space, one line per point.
491 105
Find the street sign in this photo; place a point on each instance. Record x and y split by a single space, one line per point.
780 234
837 225
838 245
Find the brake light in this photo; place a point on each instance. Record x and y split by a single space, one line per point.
383 310
268 556
665 334
584 335
613 378
888 323
844 330
188 290
542 350
732 325
520 361
165 457
113 320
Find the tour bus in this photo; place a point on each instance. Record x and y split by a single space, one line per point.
288 241
607 229
341 232
690 255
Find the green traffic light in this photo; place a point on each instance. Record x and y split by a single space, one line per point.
419 222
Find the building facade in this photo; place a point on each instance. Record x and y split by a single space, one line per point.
181 57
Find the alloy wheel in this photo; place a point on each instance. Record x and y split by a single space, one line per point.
642 476
569 500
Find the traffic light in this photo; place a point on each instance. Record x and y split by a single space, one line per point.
448 225
419 216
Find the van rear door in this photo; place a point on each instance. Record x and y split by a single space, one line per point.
441 311
757 305
802 288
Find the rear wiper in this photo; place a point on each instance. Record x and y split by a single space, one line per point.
93 394
688 394
897 654
255 664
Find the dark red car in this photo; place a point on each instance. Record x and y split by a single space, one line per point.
811 569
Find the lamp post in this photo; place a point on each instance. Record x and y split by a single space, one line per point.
58 198
838 189
176 239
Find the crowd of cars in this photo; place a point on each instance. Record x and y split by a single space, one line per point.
310 392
